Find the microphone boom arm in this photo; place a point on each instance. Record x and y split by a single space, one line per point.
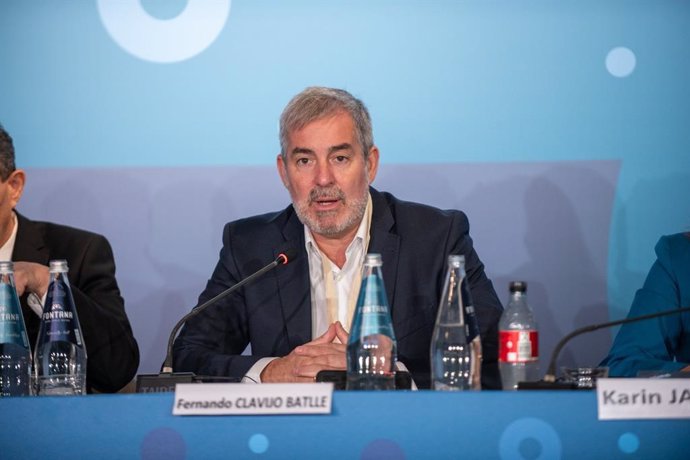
282 259
550 375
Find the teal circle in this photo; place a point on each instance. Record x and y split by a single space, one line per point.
628 443
258 443
530 449
164 9
530 438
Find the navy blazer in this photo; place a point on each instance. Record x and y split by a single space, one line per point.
273 314
112 351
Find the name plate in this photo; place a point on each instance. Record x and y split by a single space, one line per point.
620 399
250 399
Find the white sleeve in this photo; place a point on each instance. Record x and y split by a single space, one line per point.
253 375
401 367
36 303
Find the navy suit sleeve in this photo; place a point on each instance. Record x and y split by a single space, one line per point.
487 305
113 354
212 342
652 345
427 236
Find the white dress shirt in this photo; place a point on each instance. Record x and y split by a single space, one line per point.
6 251
332 299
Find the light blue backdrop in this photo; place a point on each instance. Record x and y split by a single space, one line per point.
560 127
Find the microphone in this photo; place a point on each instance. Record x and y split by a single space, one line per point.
166 380
549 381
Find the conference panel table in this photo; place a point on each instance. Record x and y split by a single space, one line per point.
368 425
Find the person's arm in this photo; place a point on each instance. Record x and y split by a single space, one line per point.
212 342
112 351
650 345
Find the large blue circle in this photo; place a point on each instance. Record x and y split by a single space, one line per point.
531 437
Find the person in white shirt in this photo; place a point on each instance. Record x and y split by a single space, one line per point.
296 318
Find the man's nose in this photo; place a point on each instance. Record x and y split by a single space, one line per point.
324 174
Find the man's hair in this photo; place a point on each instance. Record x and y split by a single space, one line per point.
317 102
7 166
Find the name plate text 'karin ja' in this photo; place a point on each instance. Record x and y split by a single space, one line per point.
620 399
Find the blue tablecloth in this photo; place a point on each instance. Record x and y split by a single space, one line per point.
392 425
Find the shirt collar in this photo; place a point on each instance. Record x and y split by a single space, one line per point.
8 248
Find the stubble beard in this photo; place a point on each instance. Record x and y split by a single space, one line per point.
324 222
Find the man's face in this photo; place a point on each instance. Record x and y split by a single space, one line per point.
327 175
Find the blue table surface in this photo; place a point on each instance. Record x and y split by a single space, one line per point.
367 425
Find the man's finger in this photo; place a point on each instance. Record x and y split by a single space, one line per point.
314 350
326 337
340 333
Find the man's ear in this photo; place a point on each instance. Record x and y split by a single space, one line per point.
372 163
282 170
16 183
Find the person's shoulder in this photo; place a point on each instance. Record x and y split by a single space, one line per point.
259 223
675 248
421 213
674 243
53 231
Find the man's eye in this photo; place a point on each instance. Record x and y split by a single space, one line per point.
341 159
302 161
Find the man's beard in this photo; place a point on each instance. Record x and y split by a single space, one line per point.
354 211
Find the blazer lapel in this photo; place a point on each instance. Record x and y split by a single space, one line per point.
294 289
384 242
30 244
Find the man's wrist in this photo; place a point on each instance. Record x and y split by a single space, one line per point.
255 373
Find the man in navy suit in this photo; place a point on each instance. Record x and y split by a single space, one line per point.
113 354
296 318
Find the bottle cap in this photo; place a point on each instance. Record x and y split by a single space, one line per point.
456 260
373 259
6 267
518 286
58 266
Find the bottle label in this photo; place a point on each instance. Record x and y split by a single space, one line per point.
518 346
59 320
11 321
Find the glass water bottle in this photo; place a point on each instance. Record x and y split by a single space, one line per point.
456 350
15 352
371 348
60 356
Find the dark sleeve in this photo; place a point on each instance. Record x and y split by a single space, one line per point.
211 343
650 345
487 305
112 351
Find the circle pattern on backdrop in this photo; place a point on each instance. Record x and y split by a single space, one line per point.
382 448
530 438
621 62
164 40
163 443
258 443
628 443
